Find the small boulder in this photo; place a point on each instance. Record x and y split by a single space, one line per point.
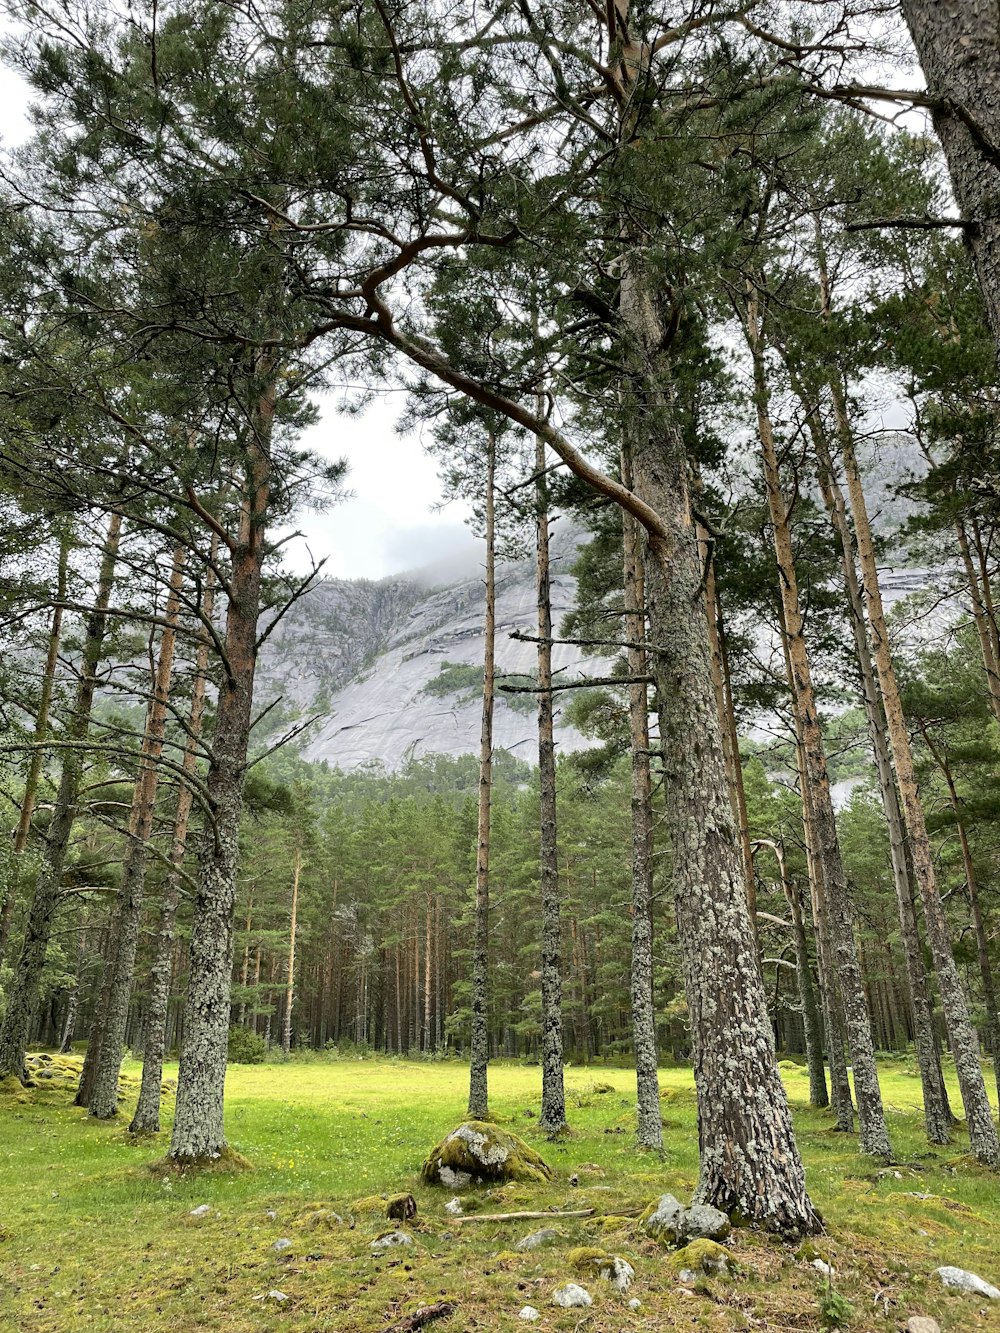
280 1246
635 1303
959 1279
920 1323
202 1210
392 1239
705 1256
571 1296
528 1313
547 1236
478 1152
821 1266
619 1272
598 1263
670 1223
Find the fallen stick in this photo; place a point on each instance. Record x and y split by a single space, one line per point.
424 1315
523 1217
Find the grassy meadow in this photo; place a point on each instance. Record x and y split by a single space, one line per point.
92 1239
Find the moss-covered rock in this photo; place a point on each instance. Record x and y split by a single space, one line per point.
703 1256
476 1153
670 1223
586 1258
591 1261
401 1207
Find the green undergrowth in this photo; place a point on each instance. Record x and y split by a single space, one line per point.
91 1239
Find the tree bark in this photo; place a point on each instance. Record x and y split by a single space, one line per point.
936 1117
961 1034
749 1159
650 1120
874 1134
286 1025
553 1117
480 1038
22 995
198 1133
103 1101
958 44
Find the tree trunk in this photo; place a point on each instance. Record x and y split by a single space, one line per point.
553 1117
286 1026
22 994
104 1094
749 1159
936 1117
73 1004
961 1034
198 1133
958 44
34 772
480 1038
985 627
874 1135
650 1120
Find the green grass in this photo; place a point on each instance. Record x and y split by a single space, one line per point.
92 1240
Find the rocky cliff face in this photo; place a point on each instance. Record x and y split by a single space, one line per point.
396 669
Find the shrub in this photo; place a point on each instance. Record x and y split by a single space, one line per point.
246 1047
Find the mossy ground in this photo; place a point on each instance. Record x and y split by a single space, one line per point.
96 1242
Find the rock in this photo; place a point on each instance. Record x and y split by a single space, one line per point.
202 1210
272 1214
821 1266
454 1207
635 1303
275 1295
705 1256
478 1152
574 1180
920 1323
959 1279
670 1223
687 1275
571 1296
619 1272
280 1246
547 1236
391 1239
528 1313
611 1267
401 1208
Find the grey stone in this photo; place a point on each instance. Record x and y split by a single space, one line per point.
572 1296
455 1180
202 1210
391 1239
275 1295
547 1236
919 1323
635 1303
960 1279
821 1266
619 1272
687 1275
280 1246
454 1207
528 1313
671 1223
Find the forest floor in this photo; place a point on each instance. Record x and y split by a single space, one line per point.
91 1239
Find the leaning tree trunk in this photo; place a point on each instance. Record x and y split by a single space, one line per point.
958 44
479 1053
874 1134
961 1034
936 1116
650 1120
199 1133
103 1102
22 995
749 1158
34 773
553 1117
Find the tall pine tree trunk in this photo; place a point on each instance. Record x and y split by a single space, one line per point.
103 1101
553 1117
22 995
936 1116
23 830
199 1133
874 1134
286 1025
961 1034
650 1120
480 1038
749 1159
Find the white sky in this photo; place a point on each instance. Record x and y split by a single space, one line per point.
387 524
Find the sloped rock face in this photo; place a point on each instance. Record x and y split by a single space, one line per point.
395 668
479 1153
